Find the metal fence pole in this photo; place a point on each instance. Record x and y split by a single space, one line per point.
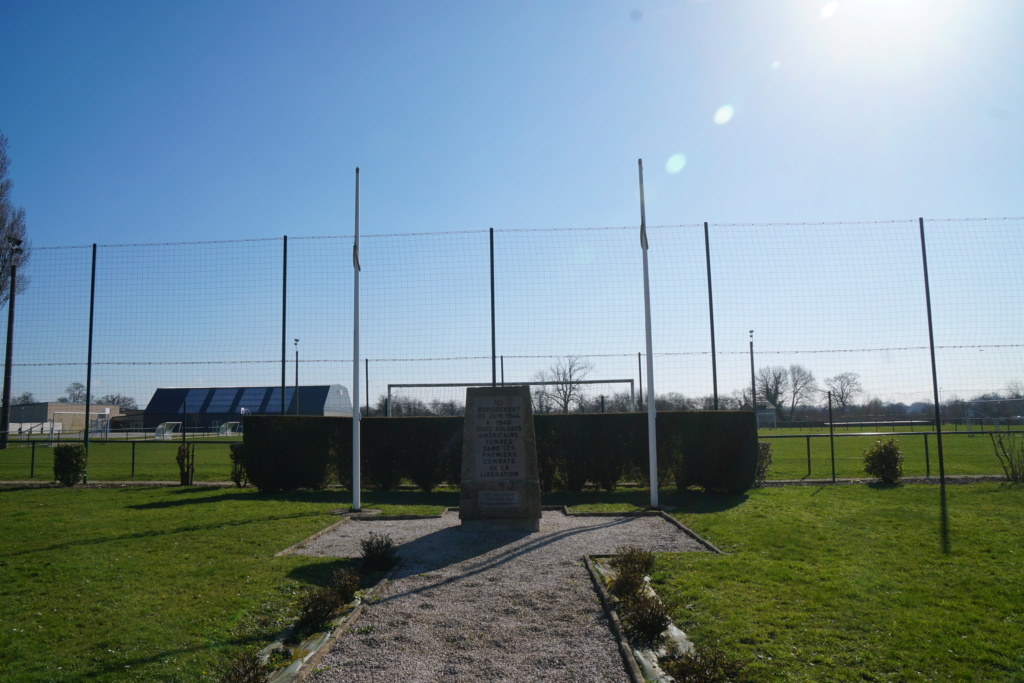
494 347
808 436
831 436
284 317
711 312
935 391
927 459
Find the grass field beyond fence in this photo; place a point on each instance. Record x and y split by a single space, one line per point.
151 460
844 583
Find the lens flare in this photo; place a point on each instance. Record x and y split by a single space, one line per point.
724 115
675 163
829 8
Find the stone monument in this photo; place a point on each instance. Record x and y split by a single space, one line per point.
500 482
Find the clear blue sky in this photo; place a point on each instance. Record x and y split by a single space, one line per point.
151 122
177 121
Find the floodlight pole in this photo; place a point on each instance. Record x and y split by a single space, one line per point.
356 476
652 437
296 376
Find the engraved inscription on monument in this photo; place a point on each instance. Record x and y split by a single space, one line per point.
500 484
499 438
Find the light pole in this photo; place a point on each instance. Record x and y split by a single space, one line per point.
296 376
14 245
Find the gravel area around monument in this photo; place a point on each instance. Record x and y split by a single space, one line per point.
487 605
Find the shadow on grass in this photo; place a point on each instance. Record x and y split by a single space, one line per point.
701 502
333 496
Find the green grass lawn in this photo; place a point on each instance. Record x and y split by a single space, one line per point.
113 461
849 583
154 460
148 584
818 584
962 454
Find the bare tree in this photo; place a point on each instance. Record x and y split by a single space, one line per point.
567 372
75 393
802 386
125 403
14 246
844 387
772 385
23 399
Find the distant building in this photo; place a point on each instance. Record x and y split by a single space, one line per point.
209 408
44 418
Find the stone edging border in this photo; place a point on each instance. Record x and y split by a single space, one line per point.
320 644
632 668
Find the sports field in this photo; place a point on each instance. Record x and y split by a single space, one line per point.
796 454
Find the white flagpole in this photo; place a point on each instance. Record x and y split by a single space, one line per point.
652 437
356 478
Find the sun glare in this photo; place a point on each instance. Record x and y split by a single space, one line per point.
724 115
675 163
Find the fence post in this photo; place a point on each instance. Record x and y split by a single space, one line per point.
935 390
284 316
88 366
133 459
494 347
711 311
32 469
831 436
927 459
808 437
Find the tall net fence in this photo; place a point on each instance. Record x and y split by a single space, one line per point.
813 316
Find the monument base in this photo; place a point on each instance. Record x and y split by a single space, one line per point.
522 525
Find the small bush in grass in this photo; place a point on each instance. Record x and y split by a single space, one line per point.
378 551
627 583
1010 452
243 666
706 665
646 617
764 462
186 463
345 583
884 461
633 558
69 463
318 607
238 474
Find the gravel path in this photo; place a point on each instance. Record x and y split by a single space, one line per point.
487 606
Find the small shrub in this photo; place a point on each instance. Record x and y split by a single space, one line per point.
646 617
634 558
345 583
243 666
707 665
884 461
238 474
318 606
1010 452
764 462
69 463
627 583
186 463
378 551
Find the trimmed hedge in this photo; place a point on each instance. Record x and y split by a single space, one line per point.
716 450
286 452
